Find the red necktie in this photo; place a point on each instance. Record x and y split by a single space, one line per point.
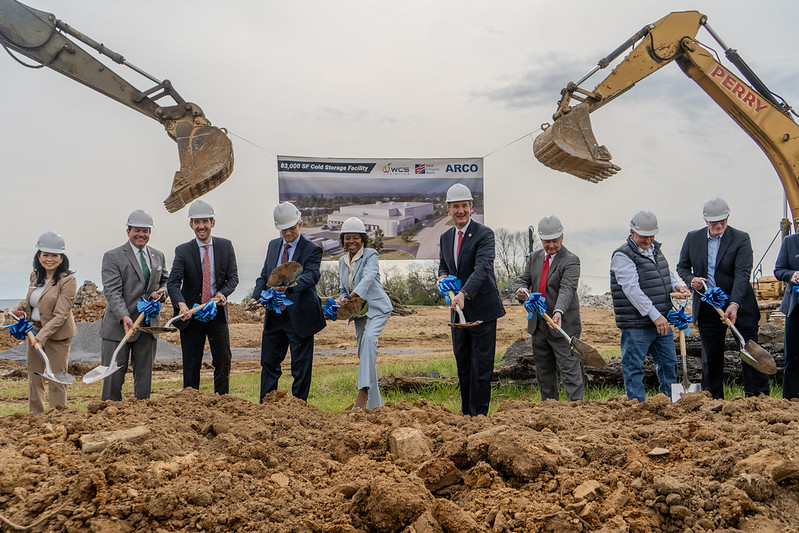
206 295
542 283
285 257
458 251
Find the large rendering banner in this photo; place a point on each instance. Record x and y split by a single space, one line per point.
401 201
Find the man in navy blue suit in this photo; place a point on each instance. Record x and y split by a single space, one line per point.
203 269
467 252
721 256
295 325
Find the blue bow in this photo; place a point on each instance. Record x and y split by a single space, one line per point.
450 283
715 297
796 289
330 309
151 309
272 300
207 312
535 303
680 320
20 330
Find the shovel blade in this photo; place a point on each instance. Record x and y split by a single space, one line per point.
569 146
156 330
465 324
99 373
63 378
757 356
678 389
586 353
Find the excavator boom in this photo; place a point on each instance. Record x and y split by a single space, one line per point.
569 144
205 151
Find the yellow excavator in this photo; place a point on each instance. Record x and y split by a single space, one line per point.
205 151
569 144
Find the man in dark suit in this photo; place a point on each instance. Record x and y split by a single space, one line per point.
787 269
203 269
557 280
129 272
467 252
295 325
721 256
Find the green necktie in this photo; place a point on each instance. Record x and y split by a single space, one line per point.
144 268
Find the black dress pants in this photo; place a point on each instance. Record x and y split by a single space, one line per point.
192 343
474 350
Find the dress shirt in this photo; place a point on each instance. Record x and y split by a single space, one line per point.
202 246
292 247
138 257
455 240
627 276
713 244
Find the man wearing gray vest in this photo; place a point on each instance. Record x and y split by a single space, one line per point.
641 283
554 271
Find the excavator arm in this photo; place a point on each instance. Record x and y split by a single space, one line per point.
569 144
205 152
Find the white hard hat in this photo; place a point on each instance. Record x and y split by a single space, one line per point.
201 209
50 242
286 215
550 228
353 225
644 223
140 219
716 209
459 193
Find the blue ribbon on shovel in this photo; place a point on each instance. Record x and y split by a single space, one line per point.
20 330
535 304
680 320
449 283
150 308
272 300
330 309
207 312
715 297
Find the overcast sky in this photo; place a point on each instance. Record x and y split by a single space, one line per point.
382 79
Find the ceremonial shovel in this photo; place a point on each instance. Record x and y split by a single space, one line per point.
579 349
462 323
102 371
751 353
678 389
64 378
168 327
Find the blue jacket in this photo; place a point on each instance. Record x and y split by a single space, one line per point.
787 264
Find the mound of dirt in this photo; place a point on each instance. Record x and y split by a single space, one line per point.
218 463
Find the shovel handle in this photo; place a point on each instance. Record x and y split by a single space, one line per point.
678 295
136 324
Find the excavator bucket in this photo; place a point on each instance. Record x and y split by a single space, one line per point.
569 146
206 160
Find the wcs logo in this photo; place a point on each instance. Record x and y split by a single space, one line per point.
388 169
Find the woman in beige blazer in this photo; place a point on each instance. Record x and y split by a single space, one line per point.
49 305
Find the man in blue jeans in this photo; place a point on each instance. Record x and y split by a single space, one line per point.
641 284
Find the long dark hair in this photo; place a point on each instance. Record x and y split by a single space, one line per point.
61 270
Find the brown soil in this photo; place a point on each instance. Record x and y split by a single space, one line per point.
212 463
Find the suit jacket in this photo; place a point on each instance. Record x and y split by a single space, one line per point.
366 282
475 270
123 284
733 267
561 293
55 308
186 279
787 264
305 313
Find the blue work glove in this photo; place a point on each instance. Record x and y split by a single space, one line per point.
330 309
272 300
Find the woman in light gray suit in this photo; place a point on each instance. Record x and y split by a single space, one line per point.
360 276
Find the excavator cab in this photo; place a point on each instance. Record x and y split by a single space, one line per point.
569 146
